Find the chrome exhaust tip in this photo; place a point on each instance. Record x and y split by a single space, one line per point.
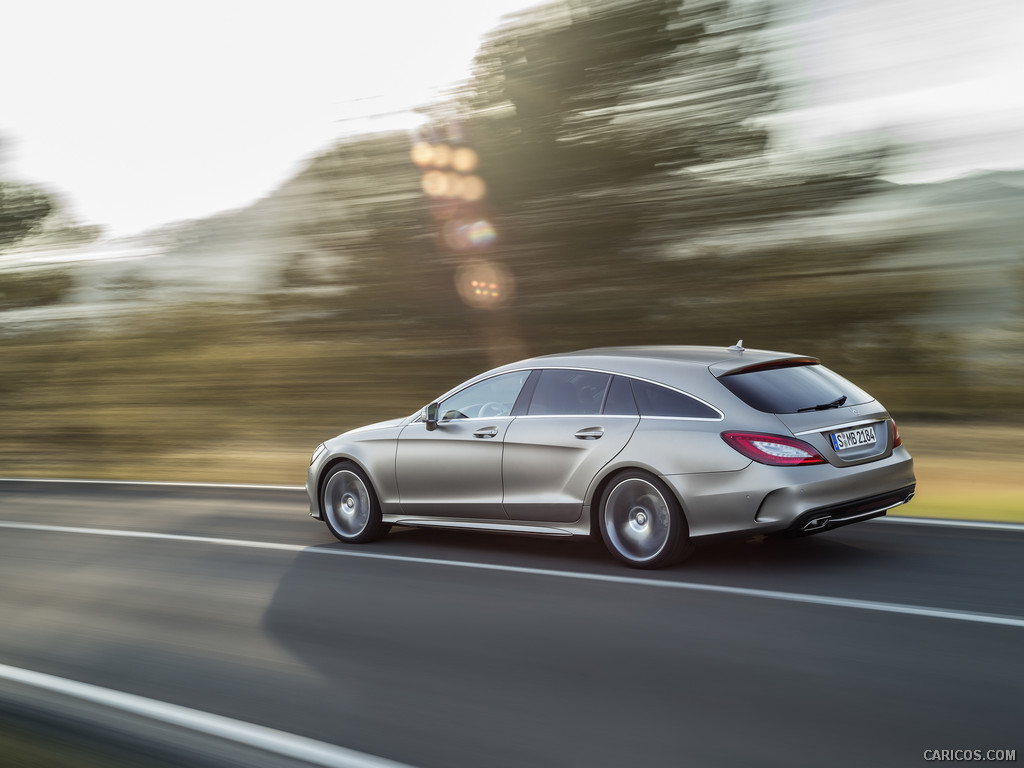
816 523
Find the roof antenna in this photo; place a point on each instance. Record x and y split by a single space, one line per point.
737 347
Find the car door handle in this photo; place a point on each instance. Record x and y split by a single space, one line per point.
590 433
486 432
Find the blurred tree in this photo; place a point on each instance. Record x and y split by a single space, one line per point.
621 144
610 132
359 212
60 230
22 209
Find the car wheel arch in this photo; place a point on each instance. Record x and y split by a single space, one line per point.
641 521
325 470
601 483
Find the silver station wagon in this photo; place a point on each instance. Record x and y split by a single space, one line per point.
650 448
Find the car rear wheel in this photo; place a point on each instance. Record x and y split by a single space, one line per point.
350 506
641 522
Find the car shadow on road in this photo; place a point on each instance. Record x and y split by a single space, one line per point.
828 552
453 664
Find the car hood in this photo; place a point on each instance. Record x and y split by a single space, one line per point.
373 427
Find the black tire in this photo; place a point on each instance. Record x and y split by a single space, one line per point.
349 505
641 522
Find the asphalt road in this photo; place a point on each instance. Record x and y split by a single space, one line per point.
864 646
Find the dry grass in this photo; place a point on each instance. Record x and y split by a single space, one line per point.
223 395
967 471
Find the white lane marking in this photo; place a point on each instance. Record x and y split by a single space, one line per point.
792 597
249 734
156 483
160 536
946 522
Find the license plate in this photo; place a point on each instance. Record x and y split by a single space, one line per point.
853 438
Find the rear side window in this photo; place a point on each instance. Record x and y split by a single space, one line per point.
569 393
792 389
654 400
620 400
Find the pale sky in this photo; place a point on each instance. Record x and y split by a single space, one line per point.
146 112
945 76
141 113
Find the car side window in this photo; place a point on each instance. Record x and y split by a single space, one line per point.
487 399
654 400
620 400
569 393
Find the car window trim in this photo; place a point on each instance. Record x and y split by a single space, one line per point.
577 416
721 415
687 418
418 416
534 369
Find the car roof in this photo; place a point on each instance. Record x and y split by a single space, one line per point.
679 366
692 369
629 359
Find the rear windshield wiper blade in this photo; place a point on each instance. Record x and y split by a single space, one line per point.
824 406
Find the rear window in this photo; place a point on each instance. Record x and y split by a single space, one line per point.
792 389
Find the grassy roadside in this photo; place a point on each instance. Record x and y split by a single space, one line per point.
227 395
983 483
967 471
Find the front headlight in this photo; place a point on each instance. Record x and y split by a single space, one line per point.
317 453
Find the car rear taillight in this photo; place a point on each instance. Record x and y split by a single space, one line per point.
775 450
896 439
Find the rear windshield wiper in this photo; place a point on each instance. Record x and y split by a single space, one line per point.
824 406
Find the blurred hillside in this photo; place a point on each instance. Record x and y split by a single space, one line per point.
603 178
950 252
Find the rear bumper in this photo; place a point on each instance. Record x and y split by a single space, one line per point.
761 499
837 515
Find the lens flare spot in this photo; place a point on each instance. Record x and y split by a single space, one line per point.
465 160
483 284
462 235
481 234
422 154
436 183
454 235
471 189
441 155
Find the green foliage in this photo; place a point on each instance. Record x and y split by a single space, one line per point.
610 135
599 94
58 230
203 379
612 132
22 209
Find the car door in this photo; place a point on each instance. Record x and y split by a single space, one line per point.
577 422
455 470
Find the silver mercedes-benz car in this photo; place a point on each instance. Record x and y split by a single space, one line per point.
650 448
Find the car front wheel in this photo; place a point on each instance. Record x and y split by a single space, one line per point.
641 522
350 506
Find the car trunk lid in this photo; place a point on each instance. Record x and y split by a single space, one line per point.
845 436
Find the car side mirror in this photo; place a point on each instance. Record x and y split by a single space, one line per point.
430 417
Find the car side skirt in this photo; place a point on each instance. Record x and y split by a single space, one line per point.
528 528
